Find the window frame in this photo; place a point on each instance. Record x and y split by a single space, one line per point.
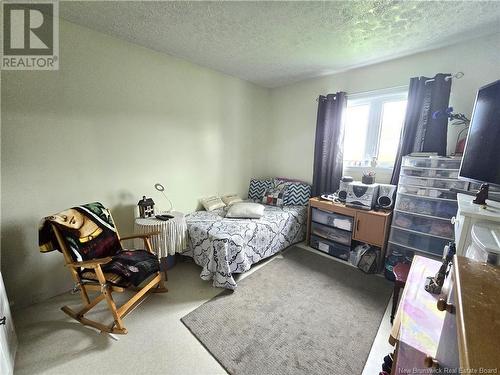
376 100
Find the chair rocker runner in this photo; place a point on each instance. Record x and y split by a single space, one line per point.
92 251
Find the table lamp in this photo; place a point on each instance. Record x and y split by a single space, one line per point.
161 189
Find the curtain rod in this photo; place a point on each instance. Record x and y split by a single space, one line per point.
376 90
456 75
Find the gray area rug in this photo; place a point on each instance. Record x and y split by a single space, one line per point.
301 314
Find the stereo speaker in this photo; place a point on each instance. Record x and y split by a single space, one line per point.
386 194
344 184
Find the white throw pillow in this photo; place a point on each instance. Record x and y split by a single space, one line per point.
245 210
212 203
229 199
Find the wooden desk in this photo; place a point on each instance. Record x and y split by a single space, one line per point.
371 227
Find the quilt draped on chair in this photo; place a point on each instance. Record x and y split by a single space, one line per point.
89 233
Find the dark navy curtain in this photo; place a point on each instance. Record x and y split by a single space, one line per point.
329 143
423 132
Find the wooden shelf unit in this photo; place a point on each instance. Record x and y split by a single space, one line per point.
371 227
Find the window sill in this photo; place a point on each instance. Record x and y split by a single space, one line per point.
368 168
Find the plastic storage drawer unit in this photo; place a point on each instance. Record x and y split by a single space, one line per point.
331 219
436 173
432 182
333 234
432 162
424 206
427 192
425 225
329 247
418 241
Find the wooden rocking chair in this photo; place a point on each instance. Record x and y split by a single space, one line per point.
89 277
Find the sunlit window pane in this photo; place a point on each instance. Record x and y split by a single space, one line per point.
356 125
393 114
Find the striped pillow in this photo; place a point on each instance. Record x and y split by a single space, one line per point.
298 193
258 187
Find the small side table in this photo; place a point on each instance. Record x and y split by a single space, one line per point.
172 238
400 271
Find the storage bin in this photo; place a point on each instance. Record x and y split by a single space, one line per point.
445 163
432 182
331 219
425 206
329 247
431 172
429 244
427 192
330 233
426 225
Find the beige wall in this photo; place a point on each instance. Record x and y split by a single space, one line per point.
115 119
293 107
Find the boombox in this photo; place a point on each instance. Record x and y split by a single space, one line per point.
344 183
361 195
386 195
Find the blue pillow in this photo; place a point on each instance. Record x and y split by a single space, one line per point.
258 187
297 194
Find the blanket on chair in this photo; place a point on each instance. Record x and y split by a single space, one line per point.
88 232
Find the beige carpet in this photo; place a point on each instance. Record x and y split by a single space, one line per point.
51 343
300 314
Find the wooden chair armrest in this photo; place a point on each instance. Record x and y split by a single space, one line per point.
94 263
142 235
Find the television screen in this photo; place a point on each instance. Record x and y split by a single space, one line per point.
481 159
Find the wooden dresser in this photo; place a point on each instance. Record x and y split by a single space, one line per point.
457 332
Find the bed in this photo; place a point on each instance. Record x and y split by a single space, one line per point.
224 247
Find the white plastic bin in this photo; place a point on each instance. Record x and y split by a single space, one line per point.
485 246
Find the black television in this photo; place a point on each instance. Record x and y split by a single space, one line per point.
481 158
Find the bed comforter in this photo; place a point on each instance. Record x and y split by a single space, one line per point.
223 247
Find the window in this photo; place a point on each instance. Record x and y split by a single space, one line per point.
372 128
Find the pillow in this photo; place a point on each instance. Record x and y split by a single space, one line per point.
298 193
275 195
245 210
258 187
212 203
229 199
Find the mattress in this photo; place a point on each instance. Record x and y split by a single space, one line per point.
224 246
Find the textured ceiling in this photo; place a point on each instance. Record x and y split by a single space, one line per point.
275 43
